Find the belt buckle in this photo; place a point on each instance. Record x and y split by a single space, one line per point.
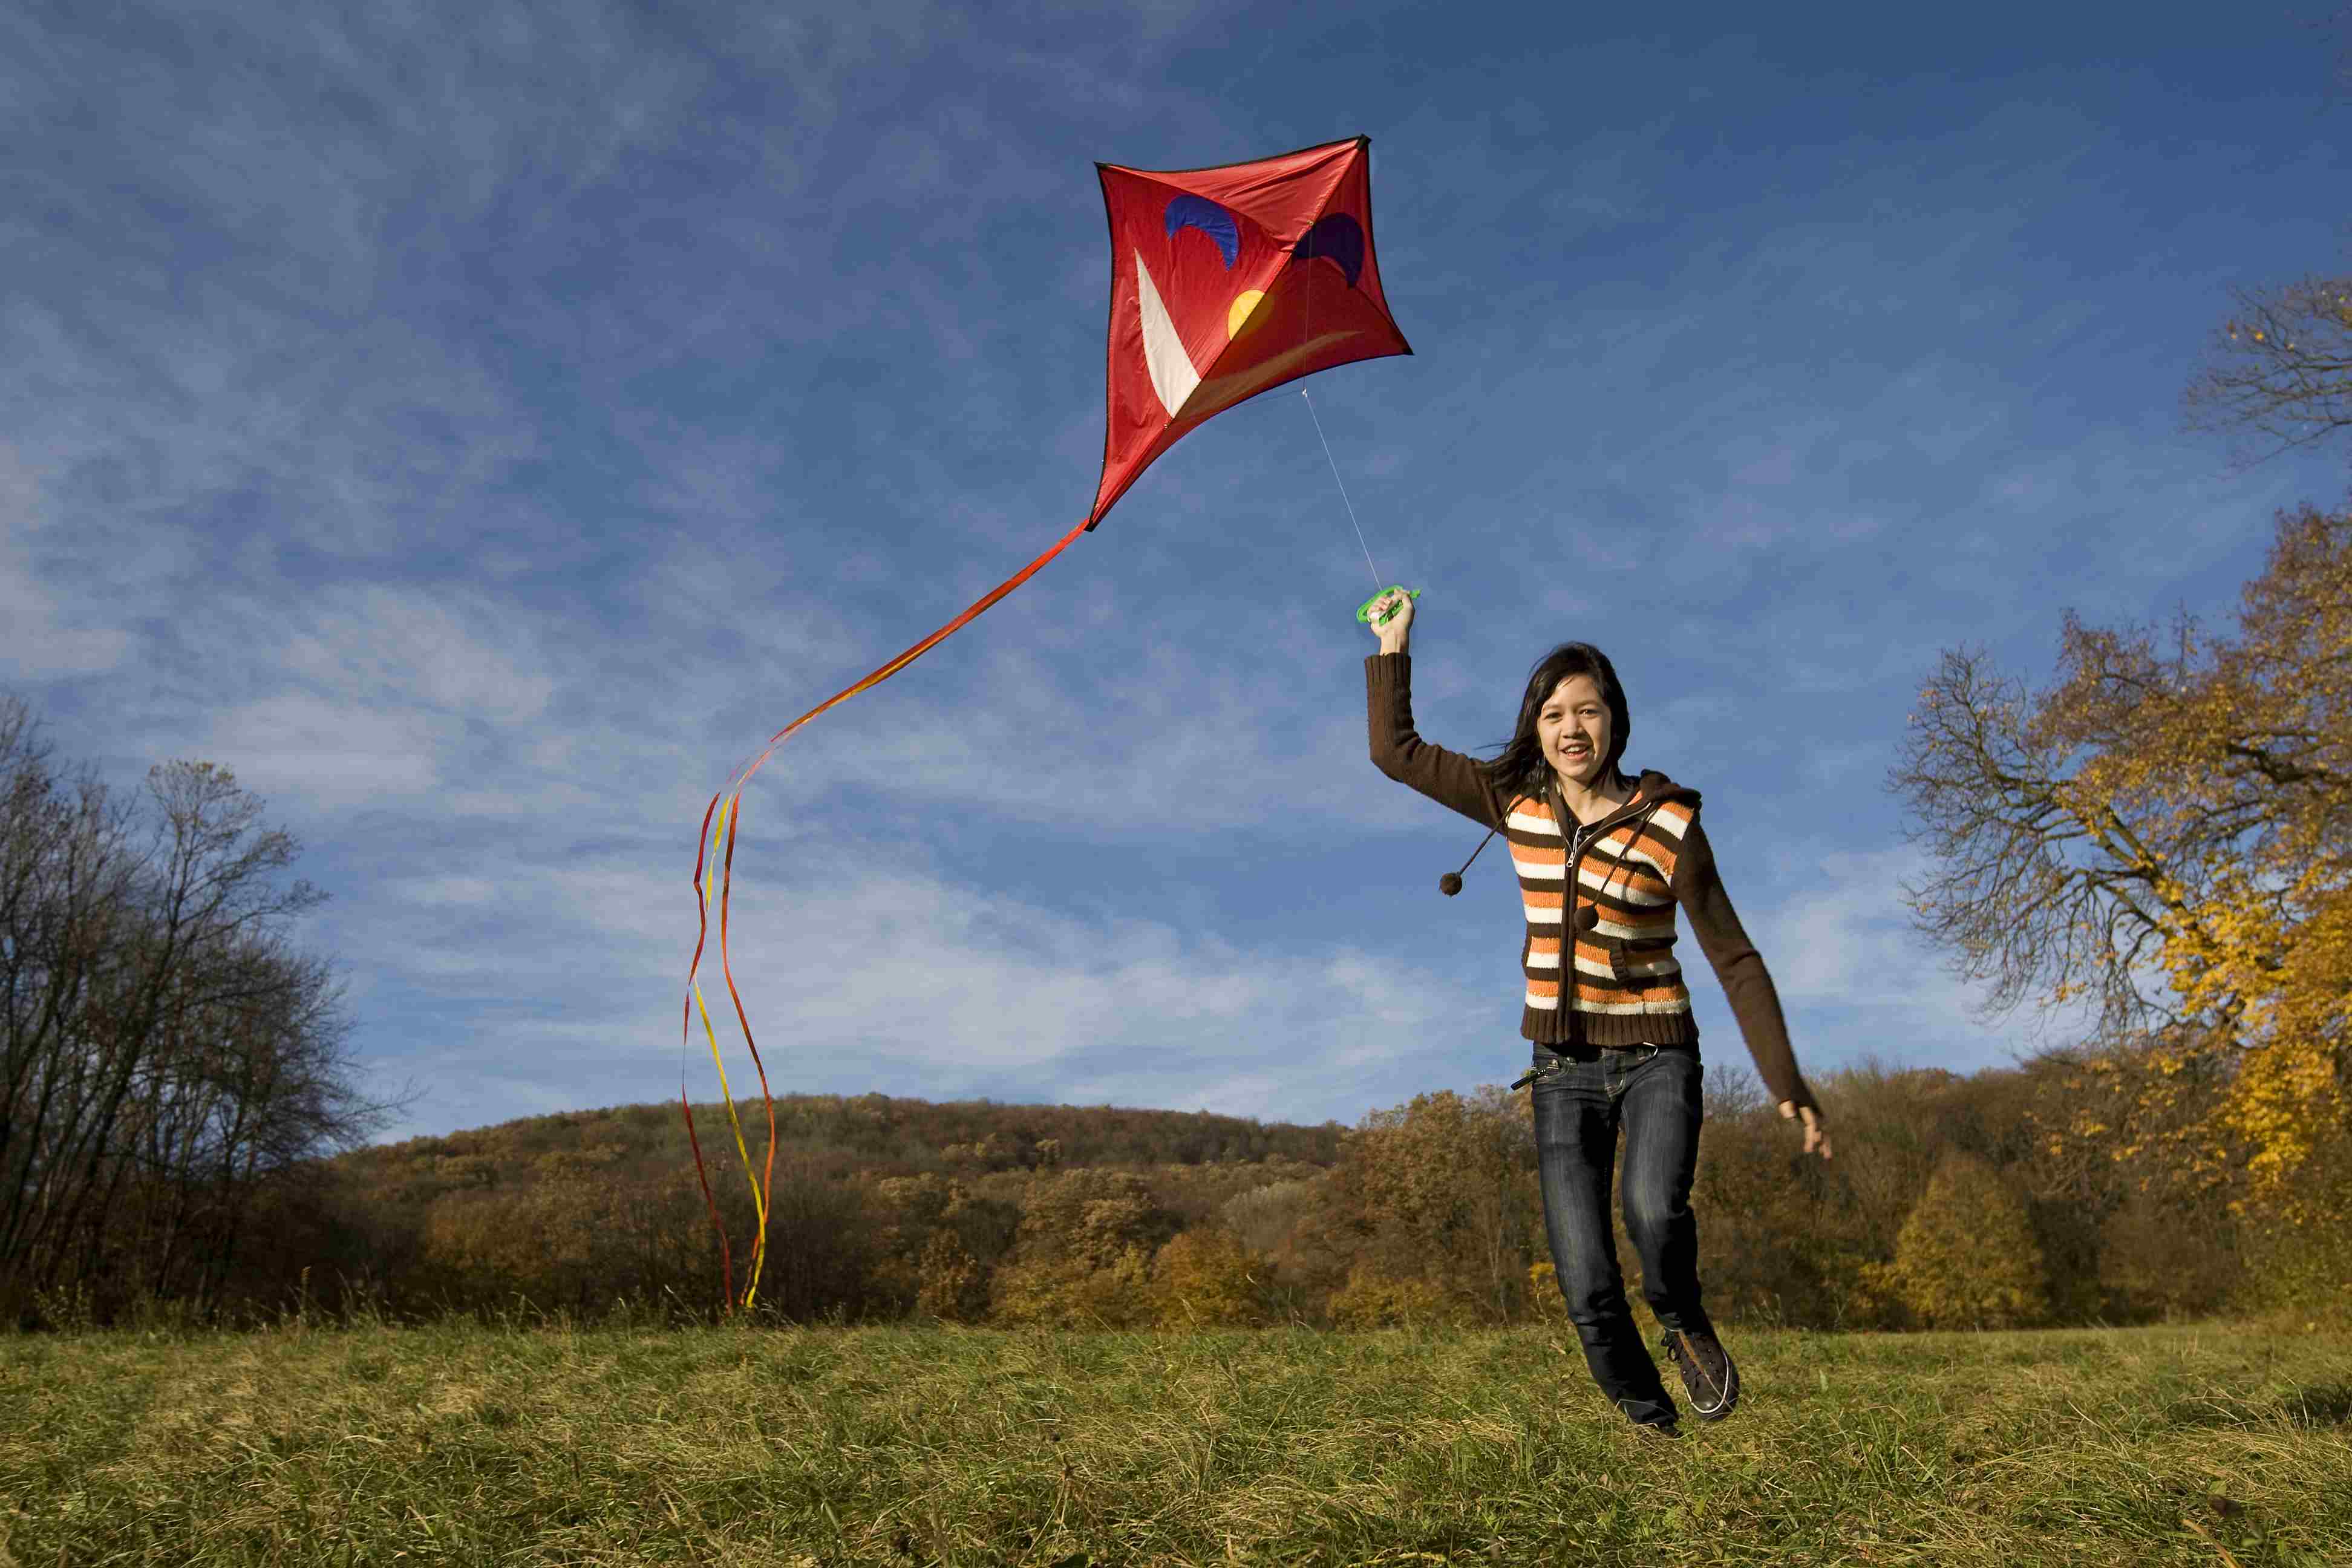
1536 1074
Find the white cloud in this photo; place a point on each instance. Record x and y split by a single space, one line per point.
1846 940
38 640
854 972
326 753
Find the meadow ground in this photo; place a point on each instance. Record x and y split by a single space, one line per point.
2214 1444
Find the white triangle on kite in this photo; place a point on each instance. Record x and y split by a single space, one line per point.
1173 375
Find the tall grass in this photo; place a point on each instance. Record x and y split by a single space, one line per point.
467 1444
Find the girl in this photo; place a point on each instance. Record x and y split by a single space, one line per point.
1602 861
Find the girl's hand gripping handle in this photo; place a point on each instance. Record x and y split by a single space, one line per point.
1389 615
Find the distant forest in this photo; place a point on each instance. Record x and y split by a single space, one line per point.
1948 1204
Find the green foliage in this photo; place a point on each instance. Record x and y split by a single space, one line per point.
1967 1257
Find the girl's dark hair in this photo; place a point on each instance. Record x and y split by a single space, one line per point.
1521 766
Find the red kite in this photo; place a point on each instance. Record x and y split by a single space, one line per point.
1228 282
1224 283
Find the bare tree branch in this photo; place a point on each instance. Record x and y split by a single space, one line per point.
2279 371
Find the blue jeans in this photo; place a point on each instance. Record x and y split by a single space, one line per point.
1583 1094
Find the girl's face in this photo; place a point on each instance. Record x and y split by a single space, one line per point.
1573 729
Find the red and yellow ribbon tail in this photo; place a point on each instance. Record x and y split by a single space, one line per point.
702 1175
728 818
762 1190
759 1194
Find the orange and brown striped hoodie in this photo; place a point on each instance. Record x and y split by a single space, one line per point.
1614 981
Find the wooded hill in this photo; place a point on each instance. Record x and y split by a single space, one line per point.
1949 1203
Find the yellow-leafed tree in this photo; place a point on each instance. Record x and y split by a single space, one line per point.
2166 833
1204 1278
1966 1258
1082 1257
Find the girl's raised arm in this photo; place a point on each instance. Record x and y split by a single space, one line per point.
1449 778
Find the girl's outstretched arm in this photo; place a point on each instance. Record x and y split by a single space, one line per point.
1446 777
1746 985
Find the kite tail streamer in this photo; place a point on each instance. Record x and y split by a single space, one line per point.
726 1251
760 1187
766 1185
728 820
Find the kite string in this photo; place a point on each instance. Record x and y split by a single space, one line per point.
1343 488
1307 305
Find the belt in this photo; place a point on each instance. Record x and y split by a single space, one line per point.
1533 1073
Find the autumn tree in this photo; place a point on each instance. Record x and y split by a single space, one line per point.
1082 1257
2278 374
1442 1191
1967 1259
1266 1218
938 1242
2166 833
1803 1232
165 1052
1202 1278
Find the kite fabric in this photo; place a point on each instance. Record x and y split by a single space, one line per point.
1225 282
1228 282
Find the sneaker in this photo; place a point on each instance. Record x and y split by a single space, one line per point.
1707 1371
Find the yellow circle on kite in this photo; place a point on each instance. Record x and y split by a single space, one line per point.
1238 317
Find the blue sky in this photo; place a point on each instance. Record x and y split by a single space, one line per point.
480 426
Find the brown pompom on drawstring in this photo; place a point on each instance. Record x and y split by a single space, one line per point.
1451 883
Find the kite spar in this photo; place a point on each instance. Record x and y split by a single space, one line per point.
1225 282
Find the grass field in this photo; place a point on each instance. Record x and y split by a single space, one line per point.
459 1444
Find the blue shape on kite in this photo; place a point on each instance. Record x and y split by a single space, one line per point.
1339 238
1189 210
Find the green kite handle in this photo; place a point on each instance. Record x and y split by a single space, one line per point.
1364 610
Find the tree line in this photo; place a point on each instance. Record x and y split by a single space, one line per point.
166 1054
1955 1202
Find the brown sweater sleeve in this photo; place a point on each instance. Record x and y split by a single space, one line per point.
1746 982
1446 777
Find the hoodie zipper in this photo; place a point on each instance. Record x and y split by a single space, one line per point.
1577 848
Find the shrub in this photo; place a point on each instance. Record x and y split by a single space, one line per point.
1265 1218
1373 1300
1966 1258
1074 1292
951 1285
2298 1253
1204 1278
1543 1292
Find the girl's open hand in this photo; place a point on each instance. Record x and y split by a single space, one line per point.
1817 1132
1393 635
